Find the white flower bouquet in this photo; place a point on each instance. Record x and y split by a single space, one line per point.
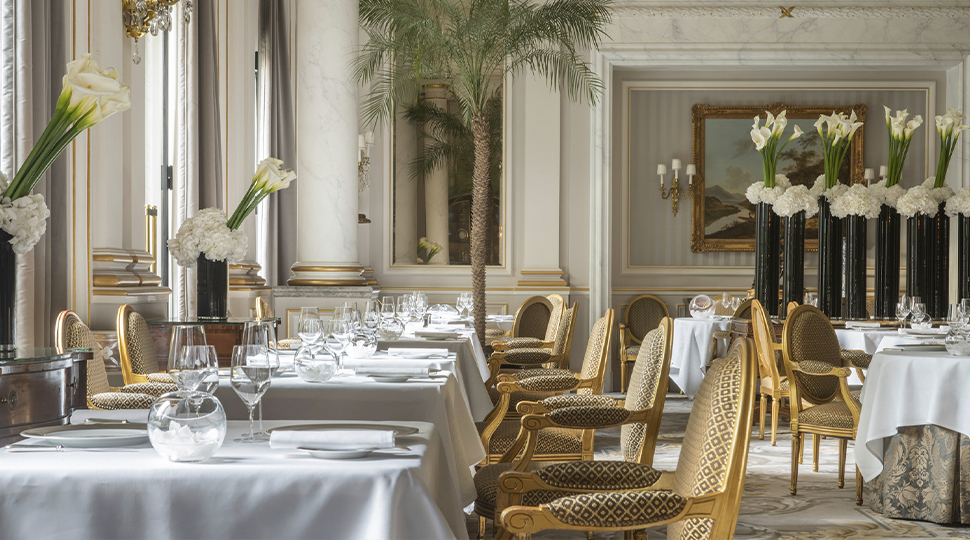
88 96
959 204
831 193
836 140
760 193
766 139
887 195
900 135
857 200
794 200
949 127
919 199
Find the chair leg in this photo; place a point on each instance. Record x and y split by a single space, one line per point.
801 449
858 486
816 439
795 446
481 527
775 407
623 375
590 535
761 421
843 446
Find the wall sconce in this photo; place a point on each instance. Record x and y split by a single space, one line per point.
675 192
364 144
144 16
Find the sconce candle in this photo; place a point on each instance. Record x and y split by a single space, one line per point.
369 138
883 171
661 169
691 171
676 165
869 175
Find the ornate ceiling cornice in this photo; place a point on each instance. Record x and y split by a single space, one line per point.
636 9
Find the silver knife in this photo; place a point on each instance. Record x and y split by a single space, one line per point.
32 448
104 421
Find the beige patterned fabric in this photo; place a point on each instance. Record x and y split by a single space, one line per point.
595 475
121 400
534 321
162 378
150 388
528 373
562 333
555 317
594 353
633 351
551 440
516 397
857 359
79 336
642 391
589 417
522 343
575 400
643 315
527 357
813 340
549 383
494 332
832 414
617 509
690 529
287 343
141 349
486 484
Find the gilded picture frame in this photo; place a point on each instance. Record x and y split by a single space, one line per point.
727 162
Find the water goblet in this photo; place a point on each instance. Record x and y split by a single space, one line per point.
735 303
183 335
263 335
954 316
913 300
250 377
388 310
310 332
902 312
372 316
919 320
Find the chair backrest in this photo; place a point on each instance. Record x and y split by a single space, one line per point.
135 345
744 310
764 343
714 454
720 309
871 306
648 389
71 333
532 318
564 334
808 336
644 314
597 353
555 316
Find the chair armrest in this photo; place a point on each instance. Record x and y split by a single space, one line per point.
527 357
521 343
546 383
149 388
577 400
589 417
858 359
810 367
722 334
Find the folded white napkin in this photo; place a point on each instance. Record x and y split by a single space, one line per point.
435 334
399 351
861 324
368 371
349 439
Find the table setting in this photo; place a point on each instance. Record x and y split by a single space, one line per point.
693 341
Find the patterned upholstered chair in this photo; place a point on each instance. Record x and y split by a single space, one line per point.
699 501
744 310
71 333
821 403
774 383
720 309
643 314
523 331
533 361
639 415
139 361
531 319
499 434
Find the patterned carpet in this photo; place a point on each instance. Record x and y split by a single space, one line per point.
820 511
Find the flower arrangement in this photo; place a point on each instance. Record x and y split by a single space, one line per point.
794 200
819 188
761 193
949 127
900 135
887 195
430 249
919 199
766 142
959 203
88 96
836 140
857 200
218 237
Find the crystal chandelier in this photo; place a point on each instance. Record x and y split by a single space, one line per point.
364 143
150 16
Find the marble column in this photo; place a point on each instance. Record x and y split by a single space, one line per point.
326 133
436 188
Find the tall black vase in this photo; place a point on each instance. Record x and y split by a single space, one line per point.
887 262
919 259
963 257
793 284
767 252
855 268
940 293
8 292
829 261
212 289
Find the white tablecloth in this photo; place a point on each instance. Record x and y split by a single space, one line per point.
910 389
862 340
244 491
692 350
437 400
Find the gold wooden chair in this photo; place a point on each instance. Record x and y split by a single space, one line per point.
139 360
498 434
639 415
548 359
820 403
71 333
531 319
643 314
698 501
773 383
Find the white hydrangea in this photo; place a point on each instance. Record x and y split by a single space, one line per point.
836 191
24 218
959 203
857 201
794 200
758 193
919 199
939 193
886 195
207 233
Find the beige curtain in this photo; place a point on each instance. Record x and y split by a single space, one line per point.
33 38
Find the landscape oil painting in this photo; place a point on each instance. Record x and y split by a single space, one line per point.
727 163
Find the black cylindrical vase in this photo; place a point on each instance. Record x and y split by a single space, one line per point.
887 262
767 252
963 257
793 284
8 293
855 268
919 262
829 261
940 293
212 289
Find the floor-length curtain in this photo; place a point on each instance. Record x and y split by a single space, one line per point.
198 170
33 38
277 221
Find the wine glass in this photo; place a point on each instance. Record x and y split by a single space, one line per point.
735 303
263 335
902 311
339 335
725 300
913 300
906 301
195 365
954 316
811 299
310 332
250 377
404 306
372 316
388 310
918 318
183 335
210 371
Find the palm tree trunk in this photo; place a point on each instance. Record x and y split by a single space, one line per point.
479 234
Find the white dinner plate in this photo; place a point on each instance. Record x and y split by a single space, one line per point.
91 436
324 453
918 347
935 332
399 431
390 378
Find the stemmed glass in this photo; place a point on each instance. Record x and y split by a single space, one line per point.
388 310
726 300
310 332
955 316
811 299
735 303
372 317
902 311
465 303
196 369
263 335
339 334
919 318
250 377
185 336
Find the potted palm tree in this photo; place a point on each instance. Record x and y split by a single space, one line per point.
464 44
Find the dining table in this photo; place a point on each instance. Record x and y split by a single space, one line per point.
693 349
913 439
245 490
